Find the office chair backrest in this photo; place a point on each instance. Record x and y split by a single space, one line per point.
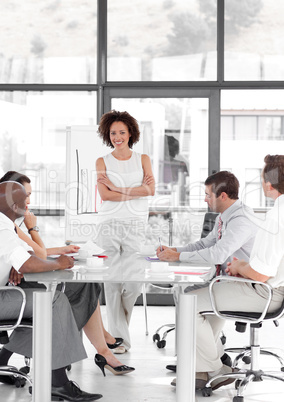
208 223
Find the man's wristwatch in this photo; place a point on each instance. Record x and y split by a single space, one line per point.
35 228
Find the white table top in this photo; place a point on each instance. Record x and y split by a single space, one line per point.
127 268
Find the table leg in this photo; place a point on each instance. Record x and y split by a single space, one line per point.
42 346
186 347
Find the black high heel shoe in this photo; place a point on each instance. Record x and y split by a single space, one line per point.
118 342
102 364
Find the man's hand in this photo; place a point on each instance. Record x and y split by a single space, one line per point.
159 249
65 262
15 277
167 254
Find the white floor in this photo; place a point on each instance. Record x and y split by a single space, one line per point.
150 382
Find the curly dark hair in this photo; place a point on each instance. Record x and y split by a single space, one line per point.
273 171
110 117
226 182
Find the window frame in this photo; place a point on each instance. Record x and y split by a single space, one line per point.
106 90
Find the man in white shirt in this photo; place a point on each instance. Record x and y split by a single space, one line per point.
266 264
66 341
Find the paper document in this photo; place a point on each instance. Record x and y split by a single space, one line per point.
152 259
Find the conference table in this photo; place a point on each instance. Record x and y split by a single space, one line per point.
131 267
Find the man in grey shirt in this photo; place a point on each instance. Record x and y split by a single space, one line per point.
234 231
232 236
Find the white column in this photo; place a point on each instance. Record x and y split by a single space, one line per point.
186 347
42 346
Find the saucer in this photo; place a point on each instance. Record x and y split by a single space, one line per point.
159 273
96 269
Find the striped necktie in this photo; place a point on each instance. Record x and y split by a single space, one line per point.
220 224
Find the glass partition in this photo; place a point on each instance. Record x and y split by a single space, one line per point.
162 40
175 136
251 127
33 138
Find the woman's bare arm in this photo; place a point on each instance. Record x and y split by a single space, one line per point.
147 187
103 185
36 243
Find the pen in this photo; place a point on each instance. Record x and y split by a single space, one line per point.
21 222
160 244
100 256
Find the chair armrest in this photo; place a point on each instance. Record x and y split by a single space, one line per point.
21 308
245 317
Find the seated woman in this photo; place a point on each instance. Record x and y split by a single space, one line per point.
79 294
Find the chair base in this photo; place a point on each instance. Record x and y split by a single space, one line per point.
243 377
244 354
161 343
19 375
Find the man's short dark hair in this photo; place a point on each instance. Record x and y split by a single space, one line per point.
11 175
226 182
273 171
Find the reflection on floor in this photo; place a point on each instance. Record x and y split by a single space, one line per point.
150 382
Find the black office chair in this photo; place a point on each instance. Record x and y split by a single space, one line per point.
208 224
21 375
254 373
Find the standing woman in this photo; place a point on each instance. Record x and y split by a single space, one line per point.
125 180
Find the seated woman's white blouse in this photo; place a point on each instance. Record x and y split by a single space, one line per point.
267 256
13 251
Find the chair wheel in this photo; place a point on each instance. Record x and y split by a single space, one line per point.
20 382
226 359
238 399
207 391
156 337
246 359
68 368
161 344
282 368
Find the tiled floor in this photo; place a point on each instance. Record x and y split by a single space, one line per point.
151 381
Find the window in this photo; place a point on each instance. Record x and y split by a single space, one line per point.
248 135
33 140
48 80
253 44
164 40
48 41
175 136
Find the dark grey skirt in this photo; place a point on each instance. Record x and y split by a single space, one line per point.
83 298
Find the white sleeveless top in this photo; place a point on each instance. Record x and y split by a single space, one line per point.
127 173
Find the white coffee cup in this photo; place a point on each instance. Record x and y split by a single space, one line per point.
147 249
159 266
95 262
83 253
